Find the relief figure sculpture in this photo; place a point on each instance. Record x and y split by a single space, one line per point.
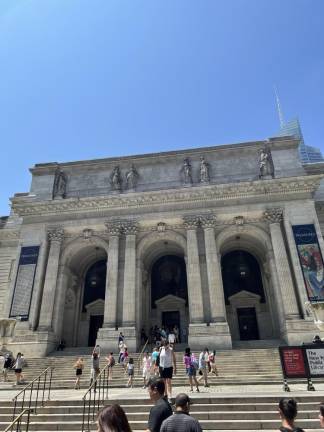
132 178
266 164
186 170
115 179
204 171
60 182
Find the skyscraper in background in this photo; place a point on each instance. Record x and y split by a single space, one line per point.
307 153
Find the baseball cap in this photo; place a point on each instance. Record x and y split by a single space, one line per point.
182 400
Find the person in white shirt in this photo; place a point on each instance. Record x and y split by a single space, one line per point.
172 338
146 367
167 368
203 358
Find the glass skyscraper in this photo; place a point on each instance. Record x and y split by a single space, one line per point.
307 153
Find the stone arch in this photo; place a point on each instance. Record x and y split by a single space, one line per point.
151 248
251 238
78 255
256 241
175 240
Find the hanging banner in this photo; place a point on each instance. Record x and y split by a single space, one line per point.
24 284
311 260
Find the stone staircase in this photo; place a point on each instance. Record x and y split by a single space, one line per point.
238 366
218 412
214 413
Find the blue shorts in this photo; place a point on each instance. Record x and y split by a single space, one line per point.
191 371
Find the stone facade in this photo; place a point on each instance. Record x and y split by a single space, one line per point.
130 212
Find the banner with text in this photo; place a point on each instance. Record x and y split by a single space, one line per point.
311 261
24 284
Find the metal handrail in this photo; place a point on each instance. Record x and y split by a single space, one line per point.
140 356
90 398
17 419
38 386
31 383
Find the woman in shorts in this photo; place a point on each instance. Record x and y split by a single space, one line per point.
78 366
191 365
130 372
18 368
167 368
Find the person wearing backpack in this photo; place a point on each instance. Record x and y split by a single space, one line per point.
288 413
191 365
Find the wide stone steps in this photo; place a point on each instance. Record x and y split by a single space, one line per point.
214 413
257 366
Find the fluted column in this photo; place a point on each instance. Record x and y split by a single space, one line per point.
276 287
110 313
274 216
191 224
214 274
55 236
129 297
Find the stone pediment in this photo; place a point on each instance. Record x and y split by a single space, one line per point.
96 307
170 300
244 298
259 190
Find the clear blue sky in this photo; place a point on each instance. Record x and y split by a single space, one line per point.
98 78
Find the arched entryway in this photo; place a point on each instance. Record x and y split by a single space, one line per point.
85 282
169 294
163 293
252 303
244 295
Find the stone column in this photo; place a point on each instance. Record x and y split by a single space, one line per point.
55 236
37 294
214 274
276 289
274 216
129 298
191 224
64 274
110 314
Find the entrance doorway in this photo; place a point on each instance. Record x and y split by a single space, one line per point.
248 325
170 319
96 322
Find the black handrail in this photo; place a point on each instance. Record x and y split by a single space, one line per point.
41 384
95 397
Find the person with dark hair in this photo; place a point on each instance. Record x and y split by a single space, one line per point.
161 409
111 363
112 418
167 367
181 421
130 372
288 413
321 414
18 368
191 365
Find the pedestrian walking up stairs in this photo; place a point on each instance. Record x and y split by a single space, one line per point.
239 413
237 366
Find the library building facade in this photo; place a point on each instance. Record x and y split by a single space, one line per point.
224 242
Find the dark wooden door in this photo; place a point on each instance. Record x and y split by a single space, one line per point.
96 322
248 324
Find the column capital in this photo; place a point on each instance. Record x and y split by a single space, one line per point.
207 221
191 222
55 234
113 227
273 215
129 227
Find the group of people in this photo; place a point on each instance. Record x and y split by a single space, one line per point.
17 364
163 419
159 335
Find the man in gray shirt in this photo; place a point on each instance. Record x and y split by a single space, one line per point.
181 421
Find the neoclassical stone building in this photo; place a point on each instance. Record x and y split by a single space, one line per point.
200 238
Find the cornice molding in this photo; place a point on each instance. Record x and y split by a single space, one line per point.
27 206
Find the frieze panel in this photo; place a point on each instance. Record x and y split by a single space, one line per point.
257 189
